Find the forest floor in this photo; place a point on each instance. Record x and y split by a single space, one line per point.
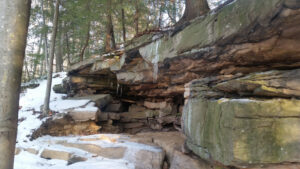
69 151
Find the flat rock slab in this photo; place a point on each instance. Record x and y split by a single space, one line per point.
106 152
101 100
56 154
32 151
155 105
89 112
82 115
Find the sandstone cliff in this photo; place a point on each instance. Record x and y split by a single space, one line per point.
237 69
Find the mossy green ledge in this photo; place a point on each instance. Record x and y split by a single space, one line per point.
243 132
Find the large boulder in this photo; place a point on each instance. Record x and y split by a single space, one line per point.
242 132
59 88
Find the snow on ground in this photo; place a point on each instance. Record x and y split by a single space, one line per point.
27 160
31 101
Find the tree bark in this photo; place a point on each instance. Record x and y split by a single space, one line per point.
68 49
59 51
86 44
160 4
172 14
27 74
42 68
123 23
87 39
136 18
12 48
193 9
50 68
174 11
36 60
110 43
45 35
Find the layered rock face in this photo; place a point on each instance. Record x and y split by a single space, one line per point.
237 69
241 131
245 119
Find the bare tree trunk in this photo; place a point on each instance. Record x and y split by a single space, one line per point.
37 58
45 34
50 68
136 18
193 9
123 23
110 43
160 13
45 66
12 49
27 74
174 12
42 68
87 39
59 51
68 49
86 44
156 13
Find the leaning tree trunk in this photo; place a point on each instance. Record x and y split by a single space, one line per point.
193 9
13 32
50 68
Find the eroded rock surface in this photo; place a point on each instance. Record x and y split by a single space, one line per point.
237 69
